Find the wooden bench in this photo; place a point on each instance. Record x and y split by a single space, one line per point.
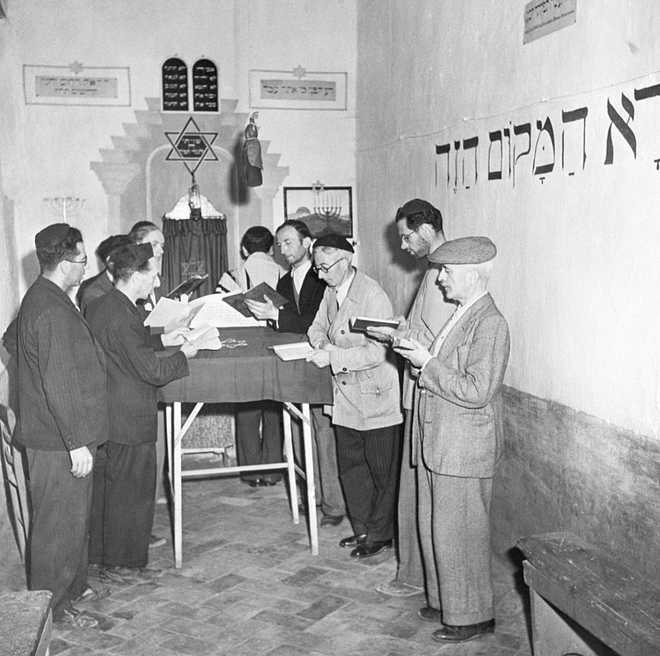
25 623
584 603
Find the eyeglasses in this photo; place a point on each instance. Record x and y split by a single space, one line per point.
325 268
83 261
406 237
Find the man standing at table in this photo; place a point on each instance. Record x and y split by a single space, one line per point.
457 438
304 291
366 406
124 490
62 417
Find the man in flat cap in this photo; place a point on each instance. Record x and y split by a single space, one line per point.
420 229
125 469
457 438
366 409
62 417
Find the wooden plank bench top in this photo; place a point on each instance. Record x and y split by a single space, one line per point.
619 607
25 623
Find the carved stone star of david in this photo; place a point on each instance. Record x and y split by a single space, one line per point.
191 146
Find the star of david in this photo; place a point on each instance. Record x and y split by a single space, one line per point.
76 67
191 146
299 71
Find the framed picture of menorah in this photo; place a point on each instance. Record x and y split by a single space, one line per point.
323 209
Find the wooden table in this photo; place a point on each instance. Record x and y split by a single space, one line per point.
246 373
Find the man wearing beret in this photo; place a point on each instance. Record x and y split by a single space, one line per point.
62 417
366 409
125 468
457 438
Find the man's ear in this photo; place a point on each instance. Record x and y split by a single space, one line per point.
426 232
307 243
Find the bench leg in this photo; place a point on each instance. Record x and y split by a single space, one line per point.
552 635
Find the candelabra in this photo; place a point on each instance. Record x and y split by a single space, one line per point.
64 208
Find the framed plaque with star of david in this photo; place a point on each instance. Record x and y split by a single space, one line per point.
297 89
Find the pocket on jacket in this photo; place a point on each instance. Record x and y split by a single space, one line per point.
375 395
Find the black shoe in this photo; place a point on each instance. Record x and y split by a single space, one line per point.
367 550
352 541
449 633
331 520
429 614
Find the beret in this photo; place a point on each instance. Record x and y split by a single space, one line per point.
51 235
466 250
130 256
415 206
334 240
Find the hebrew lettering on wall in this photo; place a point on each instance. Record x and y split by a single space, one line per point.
562 139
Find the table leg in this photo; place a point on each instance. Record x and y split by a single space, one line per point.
309 476
176 475
291 464
169 434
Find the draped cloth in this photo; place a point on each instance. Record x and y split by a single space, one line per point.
194 246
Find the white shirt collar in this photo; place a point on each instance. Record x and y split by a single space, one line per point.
298 274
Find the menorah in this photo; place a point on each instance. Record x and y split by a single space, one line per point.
64 207
329 207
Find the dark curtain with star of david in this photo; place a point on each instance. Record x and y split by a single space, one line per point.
194 246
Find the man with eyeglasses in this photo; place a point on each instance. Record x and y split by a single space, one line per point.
420 229
62 418
304 290
366 405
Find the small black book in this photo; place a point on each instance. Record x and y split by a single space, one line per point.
360 324
188 286
237 301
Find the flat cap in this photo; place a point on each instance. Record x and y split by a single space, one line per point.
130 256
334 240
51 235
466 250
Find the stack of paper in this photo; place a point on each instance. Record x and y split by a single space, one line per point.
293 351
211 310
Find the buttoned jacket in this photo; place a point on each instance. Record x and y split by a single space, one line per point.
135 370
457 427
61 373
365 383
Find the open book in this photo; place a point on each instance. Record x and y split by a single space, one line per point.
293 351
257 293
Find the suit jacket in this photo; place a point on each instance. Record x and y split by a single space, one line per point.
458 420
61 374
92 288
428 314
298 318
365 385
135 371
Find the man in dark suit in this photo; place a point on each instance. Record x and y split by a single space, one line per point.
457 439
101 283
304 291
125 468
62 418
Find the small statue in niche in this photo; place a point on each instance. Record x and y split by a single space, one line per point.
251 154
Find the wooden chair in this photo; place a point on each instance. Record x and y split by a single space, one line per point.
12 461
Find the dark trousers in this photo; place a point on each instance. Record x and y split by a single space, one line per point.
57 551
255 447
368 469
124 503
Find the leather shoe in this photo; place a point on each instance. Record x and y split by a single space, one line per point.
450 633
367 550
352 541
429 614
331 520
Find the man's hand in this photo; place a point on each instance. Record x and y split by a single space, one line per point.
189 349
385 334
81 462
263 311
174 337
412 351
320 357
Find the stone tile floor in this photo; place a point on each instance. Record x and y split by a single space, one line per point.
249 586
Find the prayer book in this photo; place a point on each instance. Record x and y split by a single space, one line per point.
293 351
360 324
188 286
257 293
